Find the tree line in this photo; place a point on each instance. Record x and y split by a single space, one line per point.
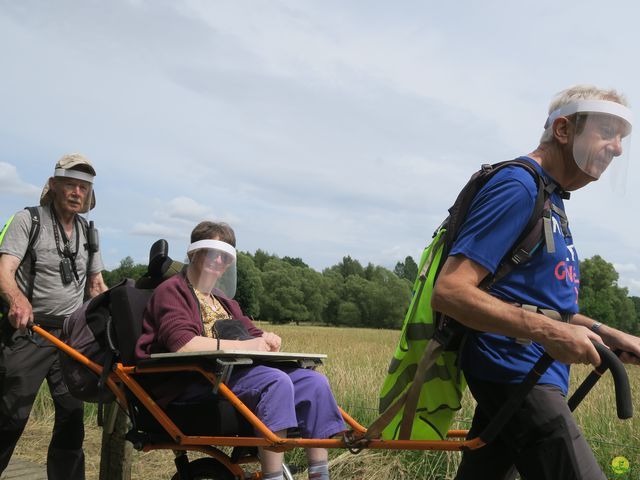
285 290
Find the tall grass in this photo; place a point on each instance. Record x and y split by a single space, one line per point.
356 366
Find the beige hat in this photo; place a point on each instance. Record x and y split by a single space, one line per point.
73 165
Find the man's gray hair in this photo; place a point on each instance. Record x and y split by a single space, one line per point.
580 92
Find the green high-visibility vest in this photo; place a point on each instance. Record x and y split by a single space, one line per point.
444 385
5 227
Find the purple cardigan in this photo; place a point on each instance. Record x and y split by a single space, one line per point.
171 319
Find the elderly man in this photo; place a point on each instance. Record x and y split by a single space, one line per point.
583 134
49 262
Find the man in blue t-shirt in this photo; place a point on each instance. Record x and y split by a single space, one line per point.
585 130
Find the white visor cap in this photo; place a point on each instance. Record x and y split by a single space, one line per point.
593 106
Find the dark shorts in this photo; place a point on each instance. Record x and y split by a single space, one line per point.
541 441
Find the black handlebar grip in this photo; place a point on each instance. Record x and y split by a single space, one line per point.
624 404
609 361
588 383
585 387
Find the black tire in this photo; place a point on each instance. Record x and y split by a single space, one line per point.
207 469
115 458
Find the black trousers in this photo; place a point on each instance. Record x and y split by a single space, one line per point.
25 362
541 441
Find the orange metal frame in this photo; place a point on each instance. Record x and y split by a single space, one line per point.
122 377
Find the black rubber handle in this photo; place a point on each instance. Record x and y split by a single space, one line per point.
609 361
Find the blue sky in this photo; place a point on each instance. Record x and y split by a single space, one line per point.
318 129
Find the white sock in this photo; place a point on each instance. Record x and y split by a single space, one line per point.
319 471
273 476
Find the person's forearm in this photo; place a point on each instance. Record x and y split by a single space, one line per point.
480 311
9 289
457 295
11 293
199 344
20 310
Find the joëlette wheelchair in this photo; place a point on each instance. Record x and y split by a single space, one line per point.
230 423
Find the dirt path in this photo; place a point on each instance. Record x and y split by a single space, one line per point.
24 470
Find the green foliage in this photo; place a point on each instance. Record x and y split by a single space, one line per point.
296 262
372 296
382 298
261 258
249 285
348 314
283 290
348 267
282 298
636 304
602 299
334 294
407 269
127 269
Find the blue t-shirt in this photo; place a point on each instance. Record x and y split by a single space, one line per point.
497 216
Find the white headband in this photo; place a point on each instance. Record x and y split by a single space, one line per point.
77 174
213 244
595 106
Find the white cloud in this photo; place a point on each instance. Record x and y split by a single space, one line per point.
156 230
634 286
12 184
317 129
186 209
174 218
625 268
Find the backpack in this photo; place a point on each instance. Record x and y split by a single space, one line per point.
105 329
424 385
88 330
29 253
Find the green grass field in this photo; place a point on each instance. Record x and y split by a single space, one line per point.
356 366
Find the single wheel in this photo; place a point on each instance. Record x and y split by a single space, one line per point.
115 458
207 469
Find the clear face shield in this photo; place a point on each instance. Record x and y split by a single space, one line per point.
76 189
602 138
212 267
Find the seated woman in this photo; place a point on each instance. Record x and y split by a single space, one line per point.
181 317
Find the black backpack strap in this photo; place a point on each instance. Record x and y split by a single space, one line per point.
460 208
85 227
537 232
34 213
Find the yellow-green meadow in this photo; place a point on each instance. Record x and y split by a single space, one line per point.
356 366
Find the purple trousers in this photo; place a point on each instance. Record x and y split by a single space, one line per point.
288 398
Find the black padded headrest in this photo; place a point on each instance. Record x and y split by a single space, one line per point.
158 256
161 266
